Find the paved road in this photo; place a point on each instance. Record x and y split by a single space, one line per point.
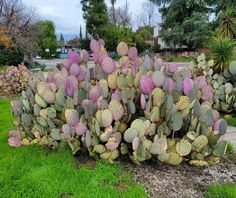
49 63
52 63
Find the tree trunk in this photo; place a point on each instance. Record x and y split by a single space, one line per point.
114 13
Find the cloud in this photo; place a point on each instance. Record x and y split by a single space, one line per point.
67 14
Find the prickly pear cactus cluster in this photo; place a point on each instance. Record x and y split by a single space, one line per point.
223 84
135 107
13 80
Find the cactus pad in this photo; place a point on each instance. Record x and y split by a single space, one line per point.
117 110
72 117
106 118
183 147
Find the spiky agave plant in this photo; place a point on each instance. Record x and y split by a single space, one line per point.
222 52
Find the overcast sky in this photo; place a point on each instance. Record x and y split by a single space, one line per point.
67 14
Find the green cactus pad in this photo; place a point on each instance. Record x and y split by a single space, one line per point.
26 120
106 118
220 148
183 103
200 163
99 148
139 125
159 146
174 159
199 143
55 134
40 101
176 121
164 156
183 147
130 134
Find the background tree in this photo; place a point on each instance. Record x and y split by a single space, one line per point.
113 12
48 37
227 24
96 17
124 18
80 33
192 33
148 15
115 34
5 40
61 39
180 20
86 34
144 33
223 5
20 24
75 42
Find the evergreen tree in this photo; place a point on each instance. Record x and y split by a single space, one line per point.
61 40
185 22
80 33
96 16
86 35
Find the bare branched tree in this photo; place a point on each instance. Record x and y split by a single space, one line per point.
21 24
123 16
120 16
148 15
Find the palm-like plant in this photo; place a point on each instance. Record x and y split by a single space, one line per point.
222 52
227 24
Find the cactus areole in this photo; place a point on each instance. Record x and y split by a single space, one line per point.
136 107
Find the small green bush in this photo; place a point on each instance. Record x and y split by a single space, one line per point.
156 48
37 65
231 121
11 57
142 47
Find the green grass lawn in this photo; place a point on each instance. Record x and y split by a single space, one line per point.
231 121
221 191
32 171
178 59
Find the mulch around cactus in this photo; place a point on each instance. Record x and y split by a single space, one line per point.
165 181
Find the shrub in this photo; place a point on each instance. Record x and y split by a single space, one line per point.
13 80
10 57
36 64
222 52
142 47
156 48
139 108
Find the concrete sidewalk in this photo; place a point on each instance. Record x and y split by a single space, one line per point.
231 135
